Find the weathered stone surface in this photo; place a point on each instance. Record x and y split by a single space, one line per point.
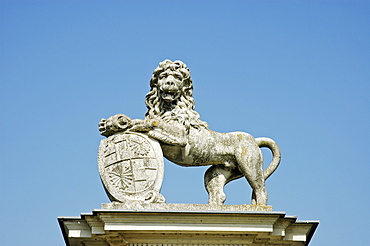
131 167
187 141
179 228
184 207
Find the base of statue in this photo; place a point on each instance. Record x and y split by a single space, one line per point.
185 224
184 207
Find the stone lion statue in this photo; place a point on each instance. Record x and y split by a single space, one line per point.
187 141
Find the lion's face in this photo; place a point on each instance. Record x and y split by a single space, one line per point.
171 95
170 85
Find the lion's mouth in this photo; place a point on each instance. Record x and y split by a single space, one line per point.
170 96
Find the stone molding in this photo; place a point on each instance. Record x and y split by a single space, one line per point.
104 227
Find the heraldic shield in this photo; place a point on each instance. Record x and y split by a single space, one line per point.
131 167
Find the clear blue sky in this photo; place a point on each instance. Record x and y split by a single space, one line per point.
295 71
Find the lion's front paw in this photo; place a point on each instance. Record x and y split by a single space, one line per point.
103 127
115 123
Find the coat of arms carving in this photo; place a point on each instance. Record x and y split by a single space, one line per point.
131 167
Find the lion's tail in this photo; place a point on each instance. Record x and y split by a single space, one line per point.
276 156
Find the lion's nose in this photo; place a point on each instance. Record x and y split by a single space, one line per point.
170 81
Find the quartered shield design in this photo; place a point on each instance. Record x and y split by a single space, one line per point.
131 167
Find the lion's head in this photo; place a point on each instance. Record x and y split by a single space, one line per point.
171 95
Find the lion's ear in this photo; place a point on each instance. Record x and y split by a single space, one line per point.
187 83
187 80
153 81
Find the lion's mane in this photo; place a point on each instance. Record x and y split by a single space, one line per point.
181 110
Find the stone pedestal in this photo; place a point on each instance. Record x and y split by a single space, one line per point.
187 226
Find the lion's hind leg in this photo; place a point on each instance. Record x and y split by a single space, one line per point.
256 181
250 162
215 178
